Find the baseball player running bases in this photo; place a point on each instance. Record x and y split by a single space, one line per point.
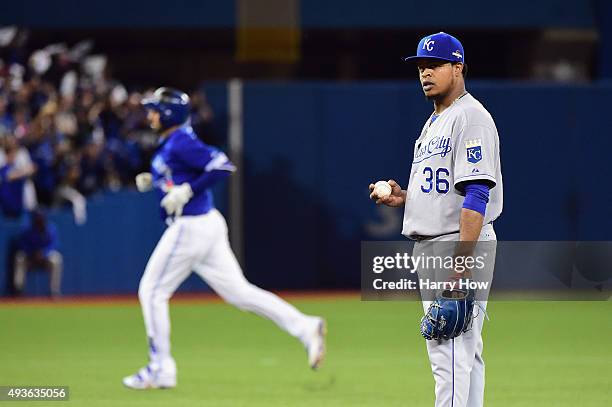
454 193
183 169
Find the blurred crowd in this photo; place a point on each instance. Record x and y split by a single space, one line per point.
67 128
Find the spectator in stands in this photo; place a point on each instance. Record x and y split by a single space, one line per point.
16 194
21 123
68 192
42 140
38 250
6 121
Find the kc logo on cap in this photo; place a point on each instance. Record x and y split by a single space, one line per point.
428 44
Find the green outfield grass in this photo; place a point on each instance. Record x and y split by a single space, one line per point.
537 354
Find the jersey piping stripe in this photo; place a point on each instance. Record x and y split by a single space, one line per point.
453 372
218 162
476 176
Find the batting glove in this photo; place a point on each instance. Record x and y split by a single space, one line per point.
176 198
144 181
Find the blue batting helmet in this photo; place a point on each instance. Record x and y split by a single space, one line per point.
172 104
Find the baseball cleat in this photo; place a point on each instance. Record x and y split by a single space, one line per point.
147 378
316 345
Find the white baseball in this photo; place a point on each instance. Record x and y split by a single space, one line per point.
382 189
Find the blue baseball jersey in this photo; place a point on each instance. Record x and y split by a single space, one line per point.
11 193
32 240
181 157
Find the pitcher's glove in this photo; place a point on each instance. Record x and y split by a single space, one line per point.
449 315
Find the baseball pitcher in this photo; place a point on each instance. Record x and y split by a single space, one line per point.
454 193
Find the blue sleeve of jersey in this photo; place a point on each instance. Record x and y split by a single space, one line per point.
207 179
476 196
213 164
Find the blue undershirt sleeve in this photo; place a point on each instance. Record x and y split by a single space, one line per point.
476 196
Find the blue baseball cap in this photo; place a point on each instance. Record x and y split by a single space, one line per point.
439 46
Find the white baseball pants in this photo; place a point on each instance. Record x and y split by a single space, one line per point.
53 262
200 243
457 364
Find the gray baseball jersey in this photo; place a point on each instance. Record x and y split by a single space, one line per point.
461 145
